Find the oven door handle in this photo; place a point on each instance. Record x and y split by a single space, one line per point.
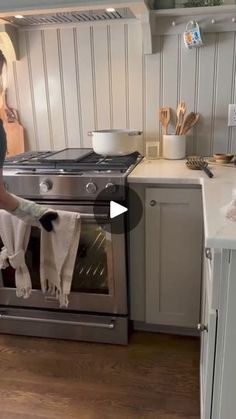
83 216
110 325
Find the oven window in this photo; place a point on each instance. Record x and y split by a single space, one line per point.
92 261
93 265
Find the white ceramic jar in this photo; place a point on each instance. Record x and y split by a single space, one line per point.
174 147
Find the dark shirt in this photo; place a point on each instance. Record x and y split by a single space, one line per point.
3 144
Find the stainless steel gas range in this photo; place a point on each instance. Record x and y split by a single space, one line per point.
73 180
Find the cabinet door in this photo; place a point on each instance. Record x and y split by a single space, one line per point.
173 230
208 343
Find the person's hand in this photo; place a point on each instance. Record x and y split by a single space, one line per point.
46 220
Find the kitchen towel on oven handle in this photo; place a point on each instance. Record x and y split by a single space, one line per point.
58 250
15 236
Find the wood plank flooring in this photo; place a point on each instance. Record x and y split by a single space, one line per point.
155 377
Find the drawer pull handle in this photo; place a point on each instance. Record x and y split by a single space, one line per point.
208 253
110 325
202 327
153 203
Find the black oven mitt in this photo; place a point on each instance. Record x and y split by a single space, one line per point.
34 214
47 219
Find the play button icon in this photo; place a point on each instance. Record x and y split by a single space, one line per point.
116 209
118 215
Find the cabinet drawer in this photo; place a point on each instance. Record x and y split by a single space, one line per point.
212 268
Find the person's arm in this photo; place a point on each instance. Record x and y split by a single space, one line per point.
26 210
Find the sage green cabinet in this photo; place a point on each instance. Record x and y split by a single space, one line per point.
165 257
173 236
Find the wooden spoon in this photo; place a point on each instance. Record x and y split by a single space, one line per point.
165 118
181 109
190 120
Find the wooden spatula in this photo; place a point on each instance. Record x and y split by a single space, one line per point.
165 118
189 122
181 109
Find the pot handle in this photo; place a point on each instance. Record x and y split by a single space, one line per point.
135 133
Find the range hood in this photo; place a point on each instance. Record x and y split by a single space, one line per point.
54 12
74 16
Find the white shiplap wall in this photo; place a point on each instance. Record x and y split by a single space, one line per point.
204 78
72 80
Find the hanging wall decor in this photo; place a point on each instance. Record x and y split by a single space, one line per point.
192 35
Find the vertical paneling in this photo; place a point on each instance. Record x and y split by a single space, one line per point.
71 88
135 80
54 85
117 39
86 85
188 86
205 95
223 92
103 94
38 85
170 73
72 80
135 75
152 65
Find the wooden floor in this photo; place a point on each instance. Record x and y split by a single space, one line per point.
155 377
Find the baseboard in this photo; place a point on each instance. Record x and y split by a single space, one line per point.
156 328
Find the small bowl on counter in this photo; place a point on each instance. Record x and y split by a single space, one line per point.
223 158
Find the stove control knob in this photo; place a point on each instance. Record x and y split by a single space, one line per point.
91 187
110 187
45 186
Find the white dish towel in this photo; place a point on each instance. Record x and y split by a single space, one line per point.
15 236
58 254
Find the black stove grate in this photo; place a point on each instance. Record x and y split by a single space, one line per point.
96 162
26 157
92 162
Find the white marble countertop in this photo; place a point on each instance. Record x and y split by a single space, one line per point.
216 193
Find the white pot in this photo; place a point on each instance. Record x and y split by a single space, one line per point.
115 142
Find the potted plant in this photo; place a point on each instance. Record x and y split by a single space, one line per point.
203 3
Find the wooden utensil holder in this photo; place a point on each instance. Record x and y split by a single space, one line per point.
174 147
